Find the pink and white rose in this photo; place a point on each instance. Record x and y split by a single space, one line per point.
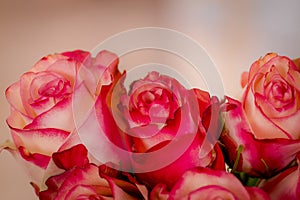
160 111
207 184
42 103
81 179
265 123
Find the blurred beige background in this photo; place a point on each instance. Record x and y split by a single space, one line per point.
234 33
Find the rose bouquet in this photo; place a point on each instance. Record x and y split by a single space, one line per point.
81 134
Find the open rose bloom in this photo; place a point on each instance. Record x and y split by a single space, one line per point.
91 137
261 134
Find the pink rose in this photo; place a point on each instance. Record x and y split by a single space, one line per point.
265 124
285 185
78 178
207 184
161 112
42 101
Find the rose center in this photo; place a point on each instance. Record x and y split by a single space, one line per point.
153 105
55 88
280 94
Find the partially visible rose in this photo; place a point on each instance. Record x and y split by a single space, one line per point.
285 185
42 110
271 98
208 184
81 179
160 111
262 132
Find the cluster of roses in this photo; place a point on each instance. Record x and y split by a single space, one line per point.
257 136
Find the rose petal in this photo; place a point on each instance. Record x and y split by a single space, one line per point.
244 79
159 192
59 186
34 140
260 157
35 158
14 98
78 154
257 194
285 185
262 129
212 192
196 179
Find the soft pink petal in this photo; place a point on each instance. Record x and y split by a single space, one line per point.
34 140
14 98
260 124
82 192
25 83
196 179
212 192
60 117
34 172
46 61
